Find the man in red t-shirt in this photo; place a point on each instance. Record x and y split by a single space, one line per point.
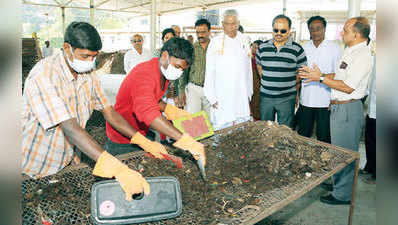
139 100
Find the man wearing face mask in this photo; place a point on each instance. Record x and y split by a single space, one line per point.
60 94
139 98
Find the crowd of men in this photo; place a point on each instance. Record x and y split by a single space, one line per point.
231 78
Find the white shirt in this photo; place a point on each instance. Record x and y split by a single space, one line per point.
356 74
229 78
133 58
47 51
325 56
372 91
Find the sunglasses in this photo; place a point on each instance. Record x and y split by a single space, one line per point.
137 41
283 31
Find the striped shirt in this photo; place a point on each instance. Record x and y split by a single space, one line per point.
51 96
279 68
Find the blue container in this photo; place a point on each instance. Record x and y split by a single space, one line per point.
109 206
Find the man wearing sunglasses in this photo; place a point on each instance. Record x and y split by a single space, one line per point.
277 61
136 55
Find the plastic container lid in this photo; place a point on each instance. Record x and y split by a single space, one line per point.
108 204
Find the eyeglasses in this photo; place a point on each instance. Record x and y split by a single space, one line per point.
282 31
135 41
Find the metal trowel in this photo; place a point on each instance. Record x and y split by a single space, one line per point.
201 165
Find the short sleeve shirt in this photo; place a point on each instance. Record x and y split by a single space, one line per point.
138 99
51 96
354 69
325 56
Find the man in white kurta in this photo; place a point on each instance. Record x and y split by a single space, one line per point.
229 79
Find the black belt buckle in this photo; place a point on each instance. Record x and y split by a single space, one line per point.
200 85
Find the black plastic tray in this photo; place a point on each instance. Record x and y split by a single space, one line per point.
108 204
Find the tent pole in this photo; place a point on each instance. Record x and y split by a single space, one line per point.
153 25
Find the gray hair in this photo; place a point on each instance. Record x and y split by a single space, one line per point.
137 35
231 12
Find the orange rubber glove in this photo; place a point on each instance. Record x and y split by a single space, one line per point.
152 147
197 149
173 113
131 181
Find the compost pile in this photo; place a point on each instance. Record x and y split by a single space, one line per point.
242 163
110 62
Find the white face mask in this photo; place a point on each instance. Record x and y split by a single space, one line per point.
171 73
81 66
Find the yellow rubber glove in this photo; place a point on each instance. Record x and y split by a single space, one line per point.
152 147
173 113
131 181
197 149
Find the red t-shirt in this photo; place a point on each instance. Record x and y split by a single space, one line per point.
138 99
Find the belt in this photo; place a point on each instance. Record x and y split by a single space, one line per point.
197 84
336 102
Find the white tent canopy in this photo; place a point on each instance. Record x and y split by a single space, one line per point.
157 8
141 7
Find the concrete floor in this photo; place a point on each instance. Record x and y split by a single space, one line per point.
308 210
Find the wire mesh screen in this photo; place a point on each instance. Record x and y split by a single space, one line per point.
65 197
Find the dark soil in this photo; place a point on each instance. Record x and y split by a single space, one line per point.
240 165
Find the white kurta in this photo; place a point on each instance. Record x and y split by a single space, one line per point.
229 78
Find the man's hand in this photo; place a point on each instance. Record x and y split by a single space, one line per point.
131 181
173 113
180 101
309 74
187 143
153 147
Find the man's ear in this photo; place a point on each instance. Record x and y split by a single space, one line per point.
66 46
164 55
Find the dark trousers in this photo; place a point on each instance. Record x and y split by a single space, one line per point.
282 107
307 116
118 149
370 144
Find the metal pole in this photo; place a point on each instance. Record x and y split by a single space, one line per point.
48 28
158 32
300 27
354 8
92 12
63 20
284 6
153 25
354 187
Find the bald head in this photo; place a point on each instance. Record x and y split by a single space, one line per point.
361 25
355 31
177 30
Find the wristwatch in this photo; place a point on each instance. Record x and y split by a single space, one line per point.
321 78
